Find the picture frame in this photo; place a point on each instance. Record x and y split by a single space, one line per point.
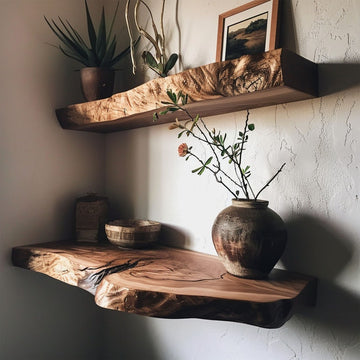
248 29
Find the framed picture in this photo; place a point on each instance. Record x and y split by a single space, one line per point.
247 29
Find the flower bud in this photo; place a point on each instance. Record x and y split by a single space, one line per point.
183 149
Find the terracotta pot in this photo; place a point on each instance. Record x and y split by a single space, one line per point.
97 83
249 238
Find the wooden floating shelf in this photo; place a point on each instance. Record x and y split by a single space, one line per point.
169 283
251 81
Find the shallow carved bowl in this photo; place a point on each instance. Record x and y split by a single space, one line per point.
132 233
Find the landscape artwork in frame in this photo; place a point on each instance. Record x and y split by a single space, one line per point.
247 29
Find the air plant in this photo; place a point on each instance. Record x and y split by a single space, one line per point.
159 63
101 50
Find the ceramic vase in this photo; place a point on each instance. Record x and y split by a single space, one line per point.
249 238
97 83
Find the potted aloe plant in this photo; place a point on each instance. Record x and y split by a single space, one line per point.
97 57
248 236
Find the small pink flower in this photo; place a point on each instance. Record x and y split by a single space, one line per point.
183 149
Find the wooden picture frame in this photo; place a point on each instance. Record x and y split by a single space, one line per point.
254 24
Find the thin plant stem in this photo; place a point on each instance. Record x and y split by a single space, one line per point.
242 184
217 143
241 152
143 32
268 183
162 33
218 179
130 36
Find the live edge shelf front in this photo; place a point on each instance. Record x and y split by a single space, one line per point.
251 81
169 283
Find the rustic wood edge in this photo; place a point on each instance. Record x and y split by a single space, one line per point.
271 314
298 82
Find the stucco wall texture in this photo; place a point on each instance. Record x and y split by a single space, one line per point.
317 194
44 168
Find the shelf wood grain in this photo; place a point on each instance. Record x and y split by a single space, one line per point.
168 282
251 81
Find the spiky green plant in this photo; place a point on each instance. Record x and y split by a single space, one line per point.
101 50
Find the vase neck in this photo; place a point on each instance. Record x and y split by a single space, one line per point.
245 203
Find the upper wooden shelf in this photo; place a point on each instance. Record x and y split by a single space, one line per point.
169 283
251 81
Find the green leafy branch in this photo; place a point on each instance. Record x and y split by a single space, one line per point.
222 152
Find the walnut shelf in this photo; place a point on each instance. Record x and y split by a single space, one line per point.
251 81
169 282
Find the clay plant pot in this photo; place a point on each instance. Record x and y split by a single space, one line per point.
249 238
97 83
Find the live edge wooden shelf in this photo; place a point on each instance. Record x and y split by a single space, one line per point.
275 77
169 283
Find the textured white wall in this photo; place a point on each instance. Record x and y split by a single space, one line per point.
43 170
317 194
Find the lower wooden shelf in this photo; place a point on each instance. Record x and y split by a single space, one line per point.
169 283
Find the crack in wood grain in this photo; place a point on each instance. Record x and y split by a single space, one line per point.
114 269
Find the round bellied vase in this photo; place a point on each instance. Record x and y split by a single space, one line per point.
249 238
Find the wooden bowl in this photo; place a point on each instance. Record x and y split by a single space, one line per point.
132 233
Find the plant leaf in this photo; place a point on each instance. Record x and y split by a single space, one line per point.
161 68
170 63
196 170
251 127
181 134
71 45
91 29
101 43
74 57
202 170
107 59
208 161
76 39
123 53
80 40
149 59
172 96
112 24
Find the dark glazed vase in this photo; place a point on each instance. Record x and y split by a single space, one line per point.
97 83
249 238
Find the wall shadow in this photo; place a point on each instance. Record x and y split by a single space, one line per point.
287 30
333 77
337 77
320 249
316 247
129 337
173 236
